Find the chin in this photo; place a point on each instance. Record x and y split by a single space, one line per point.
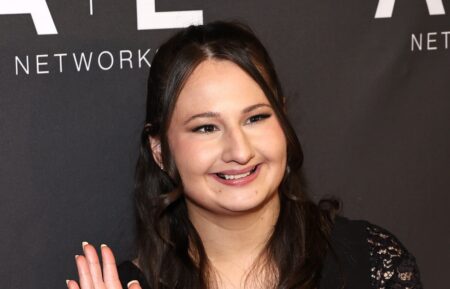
247 205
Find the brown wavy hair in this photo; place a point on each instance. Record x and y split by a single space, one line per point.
170 252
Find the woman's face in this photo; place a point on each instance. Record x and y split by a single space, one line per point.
226 141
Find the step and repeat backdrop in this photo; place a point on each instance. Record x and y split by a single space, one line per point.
368 89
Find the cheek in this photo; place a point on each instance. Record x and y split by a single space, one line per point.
274 145
192 157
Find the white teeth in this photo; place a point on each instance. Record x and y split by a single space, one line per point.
234 177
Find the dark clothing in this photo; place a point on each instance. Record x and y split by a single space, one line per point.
365 257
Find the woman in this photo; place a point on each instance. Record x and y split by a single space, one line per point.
219 196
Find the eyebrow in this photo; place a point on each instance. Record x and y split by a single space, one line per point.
211 114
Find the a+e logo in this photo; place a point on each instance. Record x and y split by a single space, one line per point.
385 8
147 17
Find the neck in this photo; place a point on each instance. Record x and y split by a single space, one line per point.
233 242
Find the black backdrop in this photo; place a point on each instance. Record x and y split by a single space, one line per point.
369 97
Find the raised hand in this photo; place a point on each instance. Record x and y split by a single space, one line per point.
91 274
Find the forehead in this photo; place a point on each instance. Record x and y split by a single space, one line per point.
218 85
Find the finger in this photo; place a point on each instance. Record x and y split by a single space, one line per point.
110 275
84 273
72 284
94 265
134 285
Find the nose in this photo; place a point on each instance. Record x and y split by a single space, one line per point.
237 147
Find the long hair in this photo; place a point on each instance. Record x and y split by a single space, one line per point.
170 251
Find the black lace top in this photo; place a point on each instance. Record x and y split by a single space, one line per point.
392 266
366 256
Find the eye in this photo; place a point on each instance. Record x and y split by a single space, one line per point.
258 117
208 128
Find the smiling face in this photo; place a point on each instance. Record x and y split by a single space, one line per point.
226 141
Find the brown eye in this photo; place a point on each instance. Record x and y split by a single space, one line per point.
209 128
258 117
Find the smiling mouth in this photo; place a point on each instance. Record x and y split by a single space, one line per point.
236 176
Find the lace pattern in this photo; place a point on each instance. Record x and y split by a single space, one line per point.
392 266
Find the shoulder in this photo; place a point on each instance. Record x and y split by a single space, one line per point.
128 271
387 262
392 265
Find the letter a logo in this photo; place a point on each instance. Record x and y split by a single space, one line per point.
385 8
38 9
148 18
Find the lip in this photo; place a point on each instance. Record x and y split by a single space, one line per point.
237 172
238 182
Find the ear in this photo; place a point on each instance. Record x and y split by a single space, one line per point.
155 148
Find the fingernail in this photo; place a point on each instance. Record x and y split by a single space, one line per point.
84 244
76 256
103 245
67 282
131 283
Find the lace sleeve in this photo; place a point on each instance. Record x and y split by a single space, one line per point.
392 266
